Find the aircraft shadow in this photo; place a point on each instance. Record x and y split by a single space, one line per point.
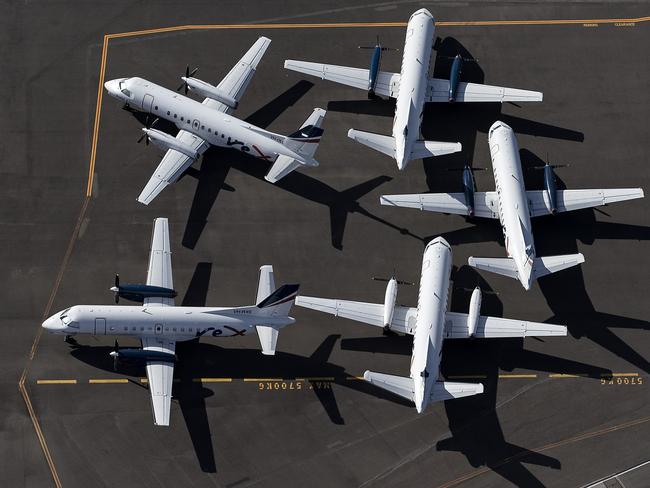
215 164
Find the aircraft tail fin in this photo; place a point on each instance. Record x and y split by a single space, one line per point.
552 264
274 304
398 385
303 142
448 390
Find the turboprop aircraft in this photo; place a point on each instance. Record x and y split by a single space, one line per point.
430 324
412 88
160 325
209 124
513 205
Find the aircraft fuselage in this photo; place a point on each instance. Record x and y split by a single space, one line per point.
430 322
177 323
414 80
514 213
217 128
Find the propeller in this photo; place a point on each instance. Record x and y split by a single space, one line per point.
116 289
551 165
148 126
115 354
379 278
379 45
483 292
188 74
473 168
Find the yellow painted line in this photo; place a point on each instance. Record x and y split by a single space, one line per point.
144 380
353 378
56 382
101 381
517 376
98 112
212 380
561 375
263 379
623 374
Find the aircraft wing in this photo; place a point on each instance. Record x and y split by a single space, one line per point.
438 91
172 166
387 83
368 313
160 375
160 263
174 163
240 76
568 200
494 327
486 204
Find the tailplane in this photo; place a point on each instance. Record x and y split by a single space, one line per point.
386 144
304 143
275 304
541 266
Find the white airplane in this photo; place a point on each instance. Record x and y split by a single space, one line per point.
160 325
209 124
430 324
513 205
412 88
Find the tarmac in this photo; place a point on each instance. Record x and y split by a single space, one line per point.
558 412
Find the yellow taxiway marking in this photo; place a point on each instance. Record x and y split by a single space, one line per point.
212 380
624 374
56 382
354 378
345 25
523 454
562 375
102 381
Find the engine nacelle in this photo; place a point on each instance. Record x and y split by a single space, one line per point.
210 91
389 301
550 186
165 141
474 311
468 188
140 355
454 77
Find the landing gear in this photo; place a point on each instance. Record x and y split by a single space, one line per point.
70 340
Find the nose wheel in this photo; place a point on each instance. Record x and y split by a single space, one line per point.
70 340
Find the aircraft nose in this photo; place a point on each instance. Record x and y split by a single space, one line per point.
113 87
53 324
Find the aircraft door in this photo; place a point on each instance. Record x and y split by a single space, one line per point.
196 124
158 328
100 326
147 103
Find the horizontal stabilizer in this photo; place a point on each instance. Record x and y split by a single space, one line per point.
448 390
266 284
398 385
281 168
502 266
552 264
485 203
268 338
427 149
378 142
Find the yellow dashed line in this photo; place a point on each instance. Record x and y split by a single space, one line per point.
262 379
624 374
212 380
56 382
561 375
517 376
100 381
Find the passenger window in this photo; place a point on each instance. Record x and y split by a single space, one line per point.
209 130
174 329
168 112
175 116
182 329
182 118
203 127
156 107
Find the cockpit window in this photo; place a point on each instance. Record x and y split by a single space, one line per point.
124 89
64 313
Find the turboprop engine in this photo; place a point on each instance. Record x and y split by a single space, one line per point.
207 90
389 301
165 141
474 311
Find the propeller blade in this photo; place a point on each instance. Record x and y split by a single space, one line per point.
405 283
375 278
142 137
117 280
193 72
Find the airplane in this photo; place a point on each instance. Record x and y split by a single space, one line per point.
412 88
209 123
160 325
429 324
513 205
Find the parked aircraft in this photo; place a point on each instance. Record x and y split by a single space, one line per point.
513 205
429 324
412 88
209 124
159 324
